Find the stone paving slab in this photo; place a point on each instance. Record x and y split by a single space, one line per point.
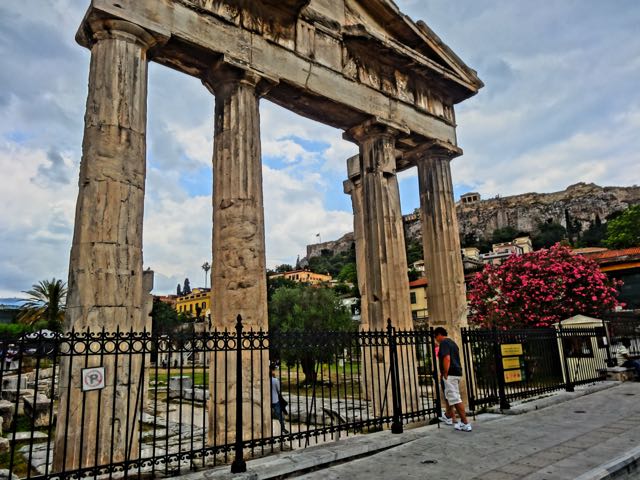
547 443
561 442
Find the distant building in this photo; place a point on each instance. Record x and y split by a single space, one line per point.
469 198
168 299
471 252
353 305
303 276
412 217
622 264
418 266
501 251
196 303
418 298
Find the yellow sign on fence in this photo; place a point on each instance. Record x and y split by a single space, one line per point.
509 349
511 376
510 362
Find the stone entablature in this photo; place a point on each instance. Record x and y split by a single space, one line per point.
316 53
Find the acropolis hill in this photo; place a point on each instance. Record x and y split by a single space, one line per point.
580 203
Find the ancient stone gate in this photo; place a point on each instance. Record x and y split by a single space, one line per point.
358 65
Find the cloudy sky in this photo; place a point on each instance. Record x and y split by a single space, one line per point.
561 105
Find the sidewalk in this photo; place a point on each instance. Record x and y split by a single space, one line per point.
586 437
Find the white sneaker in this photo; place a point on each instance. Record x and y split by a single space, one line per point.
446 420
463 427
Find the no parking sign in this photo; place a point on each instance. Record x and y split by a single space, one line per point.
92 378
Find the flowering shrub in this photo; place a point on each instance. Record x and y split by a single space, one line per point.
540 288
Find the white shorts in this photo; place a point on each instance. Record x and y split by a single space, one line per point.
452 390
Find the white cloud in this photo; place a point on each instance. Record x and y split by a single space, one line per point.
36 219
561 105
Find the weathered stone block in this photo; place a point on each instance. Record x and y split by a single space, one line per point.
6 412
12 382
179 385
12 394
37 408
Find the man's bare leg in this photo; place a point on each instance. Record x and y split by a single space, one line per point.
461 412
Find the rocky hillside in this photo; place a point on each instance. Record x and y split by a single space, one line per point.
578 205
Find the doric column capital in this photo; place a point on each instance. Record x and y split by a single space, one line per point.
109 29
375 128
430 151
225 76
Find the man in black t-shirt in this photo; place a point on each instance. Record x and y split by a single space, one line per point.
451 374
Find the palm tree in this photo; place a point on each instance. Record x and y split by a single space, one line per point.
46 302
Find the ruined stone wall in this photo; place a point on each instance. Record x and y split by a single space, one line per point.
343 244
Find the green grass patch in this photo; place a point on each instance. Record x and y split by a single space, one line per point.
200 376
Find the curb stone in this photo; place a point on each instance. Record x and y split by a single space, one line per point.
629 460
553 399
321 456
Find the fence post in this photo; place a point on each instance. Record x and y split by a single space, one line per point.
434 370
396 424
467 354
504 404
568 383
239 465
607 339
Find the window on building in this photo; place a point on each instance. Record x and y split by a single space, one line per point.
413 298
191 308
204 305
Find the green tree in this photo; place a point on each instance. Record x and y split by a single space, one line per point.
285 267
548 235
308 310
46 304
470 239
414 251
274 284
505 234
349 273
594 235
624 231
164 318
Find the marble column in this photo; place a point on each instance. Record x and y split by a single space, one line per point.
382 262
105 271
239 281
384 255
446 291
353 187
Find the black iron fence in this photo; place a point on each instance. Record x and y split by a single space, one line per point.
624 326
508 365
115 404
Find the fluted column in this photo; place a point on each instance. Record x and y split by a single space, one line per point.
385 260
446 291
238 280
353 188
442 255
105 270
382 262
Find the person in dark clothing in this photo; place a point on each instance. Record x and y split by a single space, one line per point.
276 408
451 375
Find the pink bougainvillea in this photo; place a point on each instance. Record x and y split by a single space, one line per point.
540 288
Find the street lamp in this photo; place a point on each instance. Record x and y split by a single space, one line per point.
206 267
